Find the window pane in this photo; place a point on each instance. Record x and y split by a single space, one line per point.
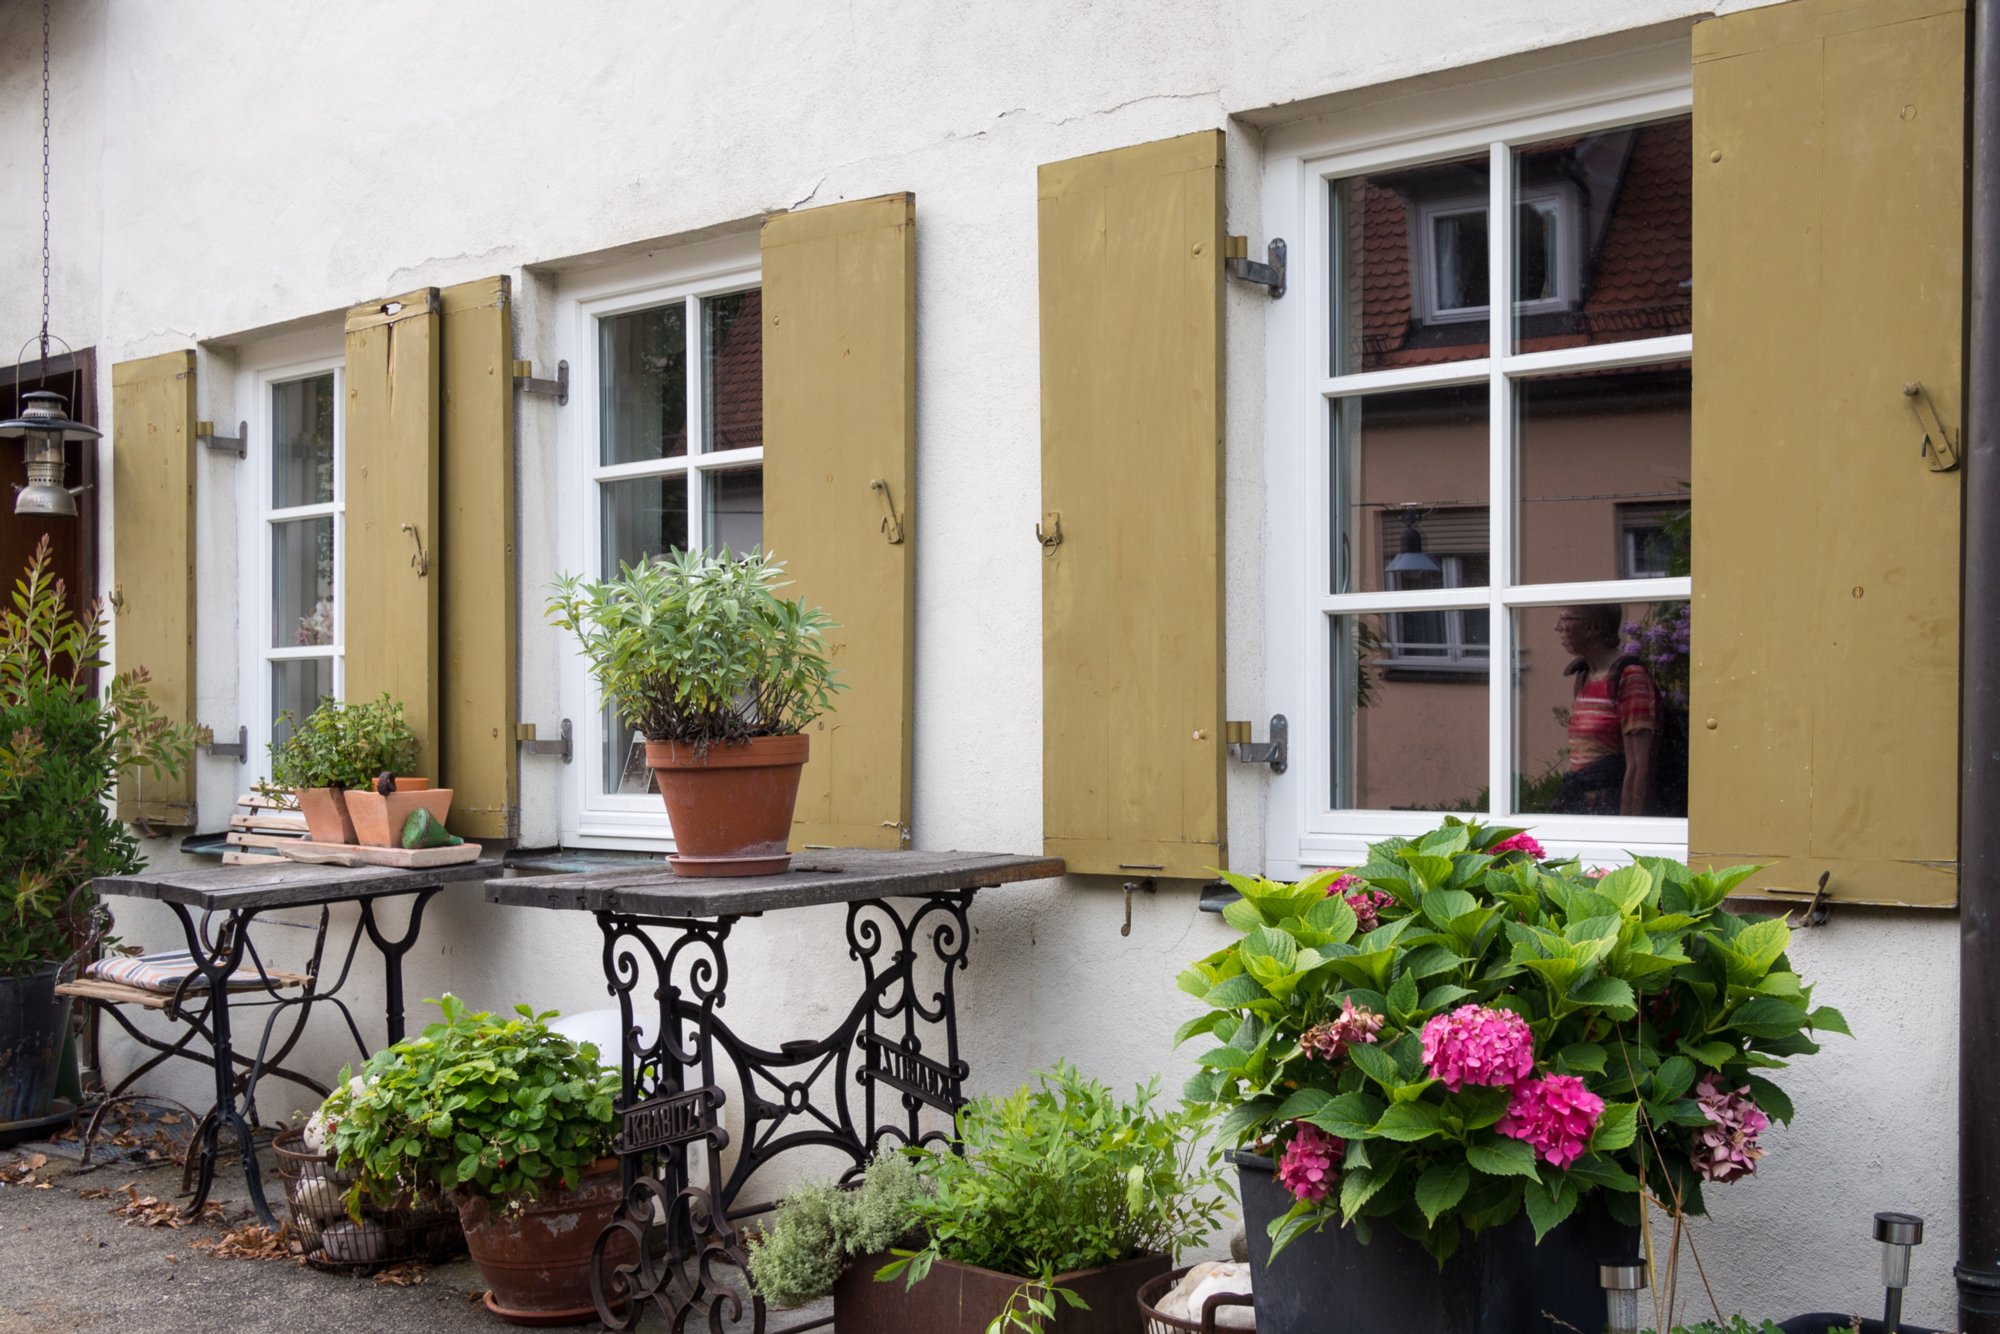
1407 734
732 368
733 513
297 687
644 516
625 771
1604 459
1409 486
1409 266
1602 709
302 611
643 360
302 442
1611 257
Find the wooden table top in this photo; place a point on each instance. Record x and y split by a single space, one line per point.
821 876
284 884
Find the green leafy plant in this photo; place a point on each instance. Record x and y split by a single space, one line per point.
1458 1030
821 1227
343 745
476 1104
699 648
1063 1176
63 747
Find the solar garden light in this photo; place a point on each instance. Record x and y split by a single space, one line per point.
1622 1281
1897 1233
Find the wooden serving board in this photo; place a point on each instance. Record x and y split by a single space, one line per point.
354 854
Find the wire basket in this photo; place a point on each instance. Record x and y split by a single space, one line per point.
422 1226
1155 1290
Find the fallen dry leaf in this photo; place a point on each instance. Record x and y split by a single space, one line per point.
404 1275
252 1241
152 1211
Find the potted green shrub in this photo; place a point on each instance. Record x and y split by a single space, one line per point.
333 761
821 1229
1482 1066
514 1124
1064 1201
720 675
63 745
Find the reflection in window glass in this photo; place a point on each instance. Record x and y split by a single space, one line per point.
1407 467
643 517
302 442
1408 245
642 362
1405 737
732 365
297 687
734 518
1603 697
302 612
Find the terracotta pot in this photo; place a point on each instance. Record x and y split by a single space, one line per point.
379 820
535 1258
961 1299
731 806
326 814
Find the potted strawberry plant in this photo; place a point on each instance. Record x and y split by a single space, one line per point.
1463 1073
720 675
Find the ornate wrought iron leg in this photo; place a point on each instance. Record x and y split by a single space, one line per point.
898 1015
392 956
217 960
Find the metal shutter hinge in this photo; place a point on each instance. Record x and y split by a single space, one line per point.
1245 751
558 388
1236 259
524 736
222 444
238 750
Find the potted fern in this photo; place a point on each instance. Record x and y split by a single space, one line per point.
721 675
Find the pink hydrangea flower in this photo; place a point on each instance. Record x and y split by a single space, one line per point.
1343 882
1555 1114
1519 843
1726 1149
1477 1045
1310 1164
1350 1028
1368 905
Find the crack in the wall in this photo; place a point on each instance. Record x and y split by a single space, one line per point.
1135 101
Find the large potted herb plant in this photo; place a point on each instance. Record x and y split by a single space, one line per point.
1464 1072
720 675
64 742
514 1123
334 763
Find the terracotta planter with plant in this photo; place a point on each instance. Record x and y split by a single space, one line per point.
721 676
530 1123
1064 1202
337 754
63 746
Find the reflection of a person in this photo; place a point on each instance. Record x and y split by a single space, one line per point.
1611 722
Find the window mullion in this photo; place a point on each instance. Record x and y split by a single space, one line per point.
1501 667
697 537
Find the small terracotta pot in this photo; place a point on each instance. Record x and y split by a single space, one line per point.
326 814
379 820
536 1258
731 806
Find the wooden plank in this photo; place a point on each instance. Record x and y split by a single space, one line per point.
476 564
840 416
390 622
152 525
269 821
1131 354
355 854
1826 620
275 882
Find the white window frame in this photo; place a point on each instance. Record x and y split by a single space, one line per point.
591 817
1303 831
1556 201
258 374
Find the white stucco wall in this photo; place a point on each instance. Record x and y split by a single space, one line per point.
226 171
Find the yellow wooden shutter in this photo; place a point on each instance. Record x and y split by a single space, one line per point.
1829 151
1131 302
475 562
152 535
389 624
839 451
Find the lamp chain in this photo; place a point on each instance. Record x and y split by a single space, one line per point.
45 187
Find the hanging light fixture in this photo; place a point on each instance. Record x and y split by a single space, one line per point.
44 425
1414 559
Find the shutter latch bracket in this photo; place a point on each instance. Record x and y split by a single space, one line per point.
1245 751
222 444
1236 259
558 388
892 522
524 736
1939 448
238 750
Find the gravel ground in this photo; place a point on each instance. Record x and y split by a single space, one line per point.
70 1263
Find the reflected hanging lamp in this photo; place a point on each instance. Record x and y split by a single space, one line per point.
44 425
1414 559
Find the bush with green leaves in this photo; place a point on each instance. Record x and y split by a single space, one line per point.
476 1104
1458 1030
63 746
699 648
343 745
1062 1176
821 1227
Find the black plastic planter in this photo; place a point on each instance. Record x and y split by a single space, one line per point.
1499 1282
33 1021
1819 1322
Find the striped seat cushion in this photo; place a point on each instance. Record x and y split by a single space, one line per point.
163 972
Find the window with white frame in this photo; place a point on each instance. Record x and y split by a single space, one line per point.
667 455
1469 591
300 532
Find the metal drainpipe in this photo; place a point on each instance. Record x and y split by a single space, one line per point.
1978 1269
